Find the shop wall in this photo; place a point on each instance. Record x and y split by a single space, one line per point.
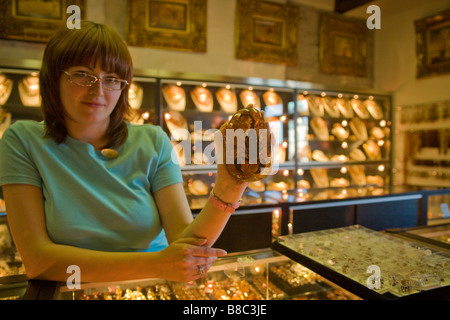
218 60
308 68
395 54
392 68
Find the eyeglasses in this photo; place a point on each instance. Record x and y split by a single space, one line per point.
85 79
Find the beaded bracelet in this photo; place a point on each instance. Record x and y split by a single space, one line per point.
224 206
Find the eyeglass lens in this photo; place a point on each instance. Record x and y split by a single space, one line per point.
85 79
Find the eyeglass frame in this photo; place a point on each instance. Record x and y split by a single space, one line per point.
97 79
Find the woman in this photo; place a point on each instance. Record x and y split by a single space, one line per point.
86 188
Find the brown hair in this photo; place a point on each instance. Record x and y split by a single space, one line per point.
85 46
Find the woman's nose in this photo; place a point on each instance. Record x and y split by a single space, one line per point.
97 87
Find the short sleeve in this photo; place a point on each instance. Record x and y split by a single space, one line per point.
16 164
167 171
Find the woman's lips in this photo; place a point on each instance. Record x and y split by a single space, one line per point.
94 104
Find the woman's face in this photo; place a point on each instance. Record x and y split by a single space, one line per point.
88 105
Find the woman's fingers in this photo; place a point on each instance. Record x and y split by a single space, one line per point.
197 248
208 252
192 257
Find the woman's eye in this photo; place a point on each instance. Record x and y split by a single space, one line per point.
110 80
83 75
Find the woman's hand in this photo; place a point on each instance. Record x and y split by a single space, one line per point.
186 259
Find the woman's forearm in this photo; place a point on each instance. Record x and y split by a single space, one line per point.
211 221
51 261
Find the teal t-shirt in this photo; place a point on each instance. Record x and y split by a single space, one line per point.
92 201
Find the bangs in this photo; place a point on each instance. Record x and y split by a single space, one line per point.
89 46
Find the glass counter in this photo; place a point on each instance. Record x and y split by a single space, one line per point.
261 275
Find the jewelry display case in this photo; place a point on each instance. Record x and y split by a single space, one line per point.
13 282
422 159
436 235
194 110
261 275
329 144
422 138
371 264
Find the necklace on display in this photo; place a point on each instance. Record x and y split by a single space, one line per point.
6 86
29 91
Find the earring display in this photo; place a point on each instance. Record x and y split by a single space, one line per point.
174 96
135 95
29 91
202 98
227 100
6 86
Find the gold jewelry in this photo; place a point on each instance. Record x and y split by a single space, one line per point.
250 97
135 95
320 128
227 100
359 129
177 125
345 108
315 107
374 109
359 108
202 98
175 97
5 122
29 91
272 98
109 153
6 86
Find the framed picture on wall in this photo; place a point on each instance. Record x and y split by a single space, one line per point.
34 20
173 25
267 32
433 45
343 46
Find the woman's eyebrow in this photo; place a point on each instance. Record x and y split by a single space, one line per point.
106 73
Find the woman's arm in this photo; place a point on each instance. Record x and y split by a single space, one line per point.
44 259
177 216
